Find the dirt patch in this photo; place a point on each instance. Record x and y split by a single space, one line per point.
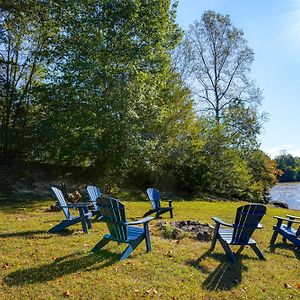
189 228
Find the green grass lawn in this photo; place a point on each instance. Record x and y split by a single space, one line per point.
37 265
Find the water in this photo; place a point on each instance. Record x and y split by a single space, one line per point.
288 192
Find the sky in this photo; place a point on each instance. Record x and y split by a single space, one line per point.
272 29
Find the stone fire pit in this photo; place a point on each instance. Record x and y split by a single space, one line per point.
189 228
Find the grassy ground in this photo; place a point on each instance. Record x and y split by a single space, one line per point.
37 265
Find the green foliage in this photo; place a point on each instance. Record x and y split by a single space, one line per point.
112 92
24 30
288 167
264 174
93 84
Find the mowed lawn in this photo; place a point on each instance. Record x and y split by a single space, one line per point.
37 265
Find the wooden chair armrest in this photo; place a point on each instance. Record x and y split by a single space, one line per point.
286 219
144 220
166 200
293 217
219 221
75 205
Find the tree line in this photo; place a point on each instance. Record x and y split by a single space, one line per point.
120 88
288 167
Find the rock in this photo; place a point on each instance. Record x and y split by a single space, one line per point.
281 204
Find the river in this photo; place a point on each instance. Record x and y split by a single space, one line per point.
288 192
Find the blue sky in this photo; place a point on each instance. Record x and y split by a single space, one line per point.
272 28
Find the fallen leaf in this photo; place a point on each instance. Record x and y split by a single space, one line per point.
298 285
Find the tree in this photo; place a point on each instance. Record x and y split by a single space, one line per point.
288 166
285 160
264 174
108 101
219 61
24 30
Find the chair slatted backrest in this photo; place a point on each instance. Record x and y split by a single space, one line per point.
61 200
94 193
246 221
113 213
154 197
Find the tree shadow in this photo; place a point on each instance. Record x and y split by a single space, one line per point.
60 267
286 246
225 277
12 202
26 234
34 234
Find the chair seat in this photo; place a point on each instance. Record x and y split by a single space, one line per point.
226 235
288 230
89 214
133 233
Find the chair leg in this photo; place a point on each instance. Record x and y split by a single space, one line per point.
100 244
274 237
87 219
147 237
257 251
63 224
127 251
130 248
88 222
214 240
83 221
228 251
240 250
171 209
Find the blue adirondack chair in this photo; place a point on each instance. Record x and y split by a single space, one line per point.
84 214
94 193
155 200
287 231
246 221
121 231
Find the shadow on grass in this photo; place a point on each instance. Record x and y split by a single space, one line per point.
34 234
225 277
11 202
60 267
286 246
